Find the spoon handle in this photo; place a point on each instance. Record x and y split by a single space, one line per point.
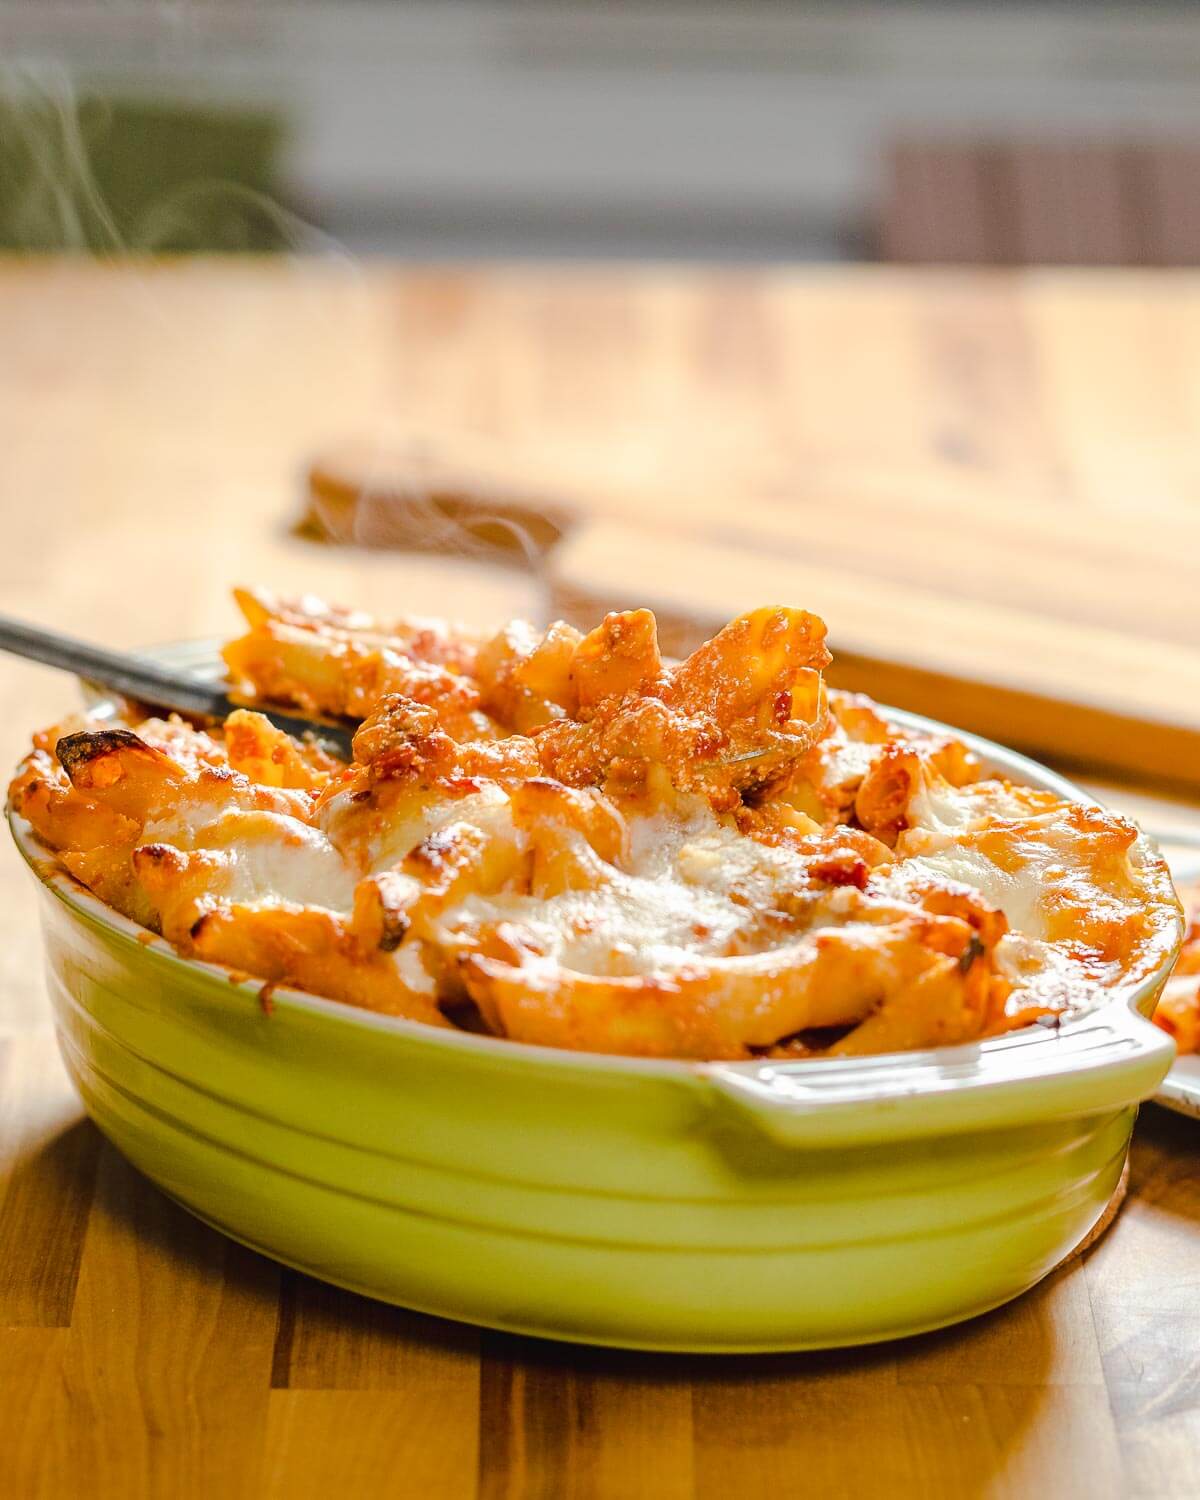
150 682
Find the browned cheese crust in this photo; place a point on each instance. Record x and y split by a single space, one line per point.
561 838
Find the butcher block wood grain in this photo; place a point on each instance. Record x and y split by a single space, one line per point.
171 1362
157 427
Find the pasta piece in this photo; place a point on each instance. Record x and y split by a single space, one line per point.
119 769
312 949
1178 1012
525 677
1179 1005
619 657
936 1009
64 818
265 754
726 719
424 639
718 1008
342 675
860 748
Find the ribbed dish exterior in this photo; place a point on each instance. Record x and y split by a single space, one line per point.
577 1198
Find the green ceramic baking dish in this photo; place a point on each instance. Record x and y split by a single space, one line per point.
656 1205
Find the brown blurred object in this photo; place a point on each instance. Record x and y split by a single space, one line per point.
1013 203
439 497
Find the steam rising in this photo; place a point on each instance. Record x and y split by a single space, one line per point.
52 138
419 494
49 200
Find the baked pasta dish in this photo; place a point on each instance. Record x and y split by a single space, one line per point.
564 839
1179 1007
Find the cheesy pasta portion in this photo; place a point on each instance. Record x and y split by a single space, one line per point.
564 839
1178 1010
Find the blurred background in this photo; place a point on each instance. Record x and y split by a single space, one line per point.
761 130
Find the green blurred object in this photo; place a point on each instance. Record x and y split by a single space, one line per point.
106 175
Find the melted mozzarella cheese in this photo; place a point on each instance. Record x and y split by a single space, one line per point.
938 807
275 858
1015 893
377 841
694 888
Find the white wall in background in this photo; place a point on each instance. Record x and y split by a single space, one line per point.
736 128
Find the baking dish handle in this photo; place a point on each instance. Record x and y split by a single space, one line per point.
1096 1064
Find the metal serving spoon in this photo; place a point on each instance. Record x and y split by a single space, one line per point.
149 682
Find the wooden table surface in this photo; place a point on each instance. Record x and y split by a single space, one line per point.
153 424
